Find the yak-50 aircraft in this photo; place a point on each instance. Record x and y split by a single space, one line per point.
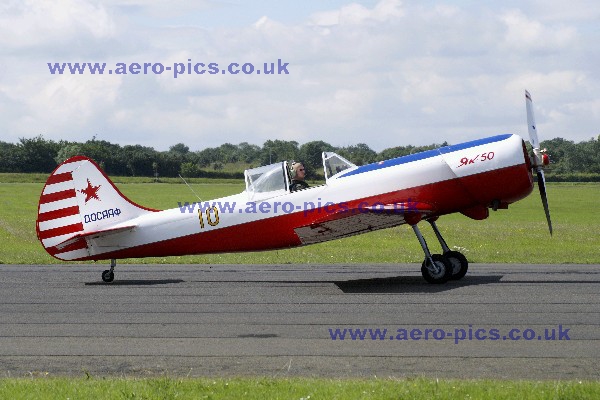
83 216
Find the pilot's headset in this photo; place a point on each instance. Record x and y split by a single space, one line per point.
294 168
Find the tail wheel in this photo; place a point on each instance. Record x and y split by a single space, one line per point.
459 263
108 276
439 272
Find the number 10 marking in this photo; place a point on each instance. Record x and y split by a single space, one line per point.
209 218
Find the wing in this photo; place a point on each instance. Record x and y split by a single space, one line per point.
354 221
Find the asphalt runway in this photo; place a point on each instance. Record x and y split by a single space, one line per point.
279 320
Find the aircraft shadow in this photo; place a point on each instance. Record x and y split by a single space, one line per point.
136 282
410 284
562 281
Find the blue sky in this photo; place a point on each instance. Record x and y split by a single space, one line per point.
382 72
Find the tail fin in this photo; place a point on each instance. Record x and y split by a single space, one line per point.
77 201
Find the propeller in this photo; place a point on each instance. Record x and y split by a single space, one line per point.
539 158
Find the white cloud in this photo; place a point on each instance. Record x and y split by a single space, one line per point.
389 73
356 14
65 101
62 108
575 11
553 84
162 9
35 23
527 34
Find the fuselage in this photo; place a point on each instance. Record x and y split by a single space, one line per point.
467 178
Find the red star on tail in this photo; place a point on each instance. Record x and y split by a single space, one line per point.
91 192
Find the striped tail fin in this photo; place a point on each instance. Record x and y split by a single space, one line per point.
77 202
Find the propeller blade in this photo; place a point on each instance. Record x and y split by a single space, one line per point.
542 186
533 137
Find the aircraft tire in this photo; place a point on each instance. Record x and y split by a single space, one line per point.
444 269
460 264
108 276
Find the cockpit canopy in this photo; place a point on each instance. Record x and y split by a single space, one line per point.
274 180
267 181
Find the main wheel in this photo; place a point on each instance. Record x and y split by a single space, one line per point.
440 272
108 276
459 262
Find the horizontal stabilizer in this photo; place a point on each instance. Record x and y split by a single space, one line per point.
93 235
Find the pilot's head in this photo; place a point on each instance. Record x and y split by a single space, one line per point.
297 170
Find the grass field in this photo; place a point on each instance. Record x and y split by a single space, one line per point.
517 235
295 388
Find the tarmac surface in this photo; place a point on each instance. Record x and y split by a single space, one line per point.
280 320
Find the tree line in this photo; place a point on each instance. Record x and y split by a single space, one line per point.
569 160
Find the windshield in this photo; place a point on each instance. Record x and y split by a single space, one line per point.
334 164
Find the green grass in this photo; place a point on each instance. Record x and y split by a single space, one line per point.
293 388
41 178
517 235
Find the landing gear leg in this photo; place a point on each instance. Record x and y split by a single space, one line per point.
459 262
109 275
436 268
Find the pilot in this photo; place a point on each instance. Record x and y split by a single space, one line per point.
298 174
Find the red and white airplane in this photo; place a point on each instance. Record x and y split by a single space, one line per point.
83 216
